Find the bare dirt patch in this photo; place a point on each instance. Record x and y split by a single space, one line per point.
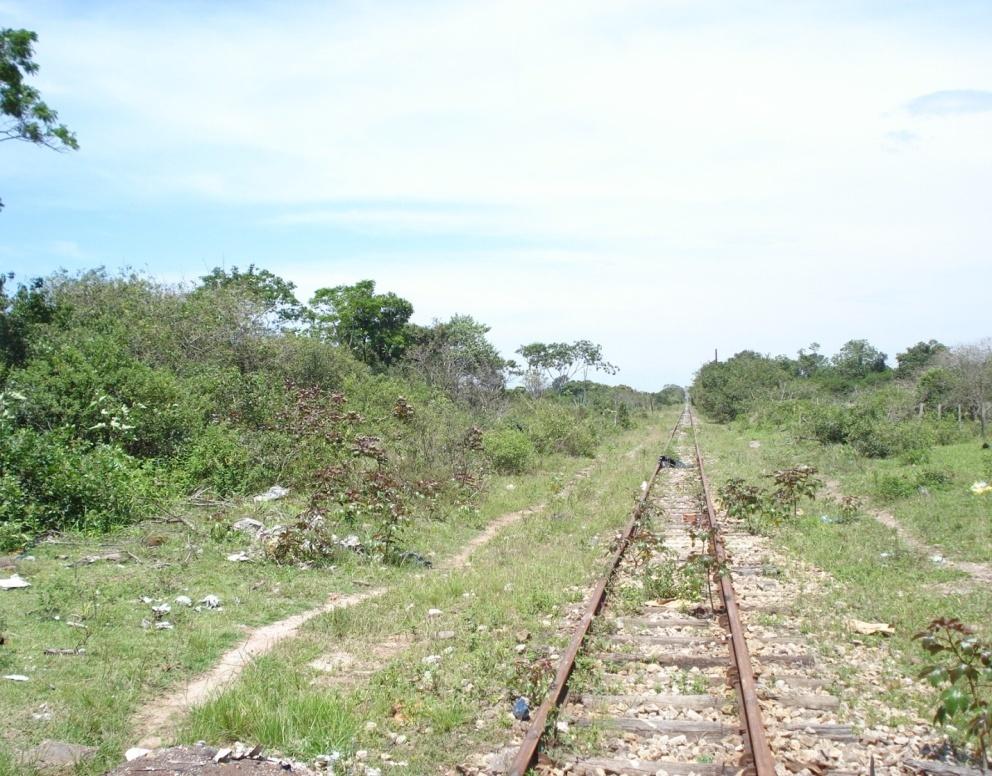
341 669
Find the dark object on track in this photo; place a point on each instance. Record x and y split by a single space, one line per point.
667 462
521 709
414 559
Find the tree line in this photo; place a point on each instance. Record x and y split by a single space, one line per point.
929 378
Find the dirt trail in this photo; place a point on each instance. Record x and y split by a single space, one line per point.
980 572
152 722
154 719
461 558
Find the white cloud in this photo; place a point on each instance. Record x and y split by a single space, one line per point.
67 249
950 102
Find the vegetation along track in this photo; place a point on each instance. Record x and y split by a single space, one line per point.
708 676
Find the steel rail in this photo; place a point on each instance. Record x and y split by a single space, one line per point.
527 753
754 727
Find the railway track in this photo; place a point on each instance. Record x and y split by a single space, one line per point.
716 681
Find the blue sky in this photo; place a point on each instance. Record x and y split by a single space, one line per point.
663 177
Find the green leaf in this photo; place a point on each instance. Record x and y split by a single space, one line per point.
936 675
955 700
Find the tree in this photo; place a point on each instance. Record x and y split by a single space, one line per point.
559 362
809 364
858 358
25 116
724 390
271 291
935 386
456 357
373 326
671 394
971 367
918 357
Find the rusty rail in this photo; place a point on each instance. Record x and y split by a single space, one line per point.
754 728
527 754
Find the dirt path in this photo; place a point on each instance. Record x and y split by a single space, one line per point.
461 558
153 722
155 719
980 572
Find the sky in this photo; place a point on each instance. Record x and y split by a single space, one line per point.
664 178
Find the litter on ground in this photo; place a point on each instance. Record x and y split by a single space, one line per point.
14 582
871 628
272 494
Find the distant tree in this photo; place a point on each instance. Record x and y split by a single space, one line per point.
457 357
671 394
25 116
373 326
971 367
918 357
858 358
811 363
935 386
275 294
726 389
558 362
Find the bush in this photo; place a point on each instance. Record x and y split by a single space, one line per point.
935 479
554 428
827 423
915 457
84 385
52 481
220 460
890 487
509 450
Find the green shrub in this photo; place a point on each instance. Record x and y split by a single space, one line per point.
935 479
827 423
556 428
220 460
915 457
890 487
84 384
52 481
509 450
